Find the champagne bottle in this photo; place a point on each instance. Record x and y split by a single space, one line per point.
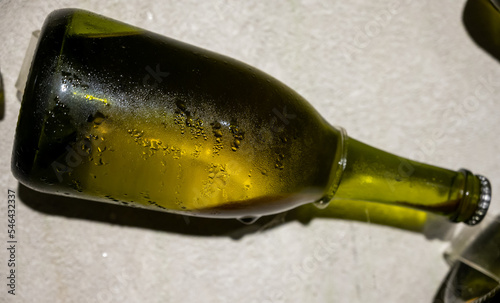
481 19
466 284
475 265
115 113
474 256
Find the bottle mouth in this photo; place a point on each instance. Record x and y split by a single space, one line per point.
483 203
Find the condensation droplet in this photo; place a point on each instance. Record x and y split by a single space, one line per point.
248 219
321 204
217 132
98 118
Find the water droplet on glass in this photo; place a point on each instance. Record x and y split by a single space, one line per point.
98 118
248 219
321 204
217 133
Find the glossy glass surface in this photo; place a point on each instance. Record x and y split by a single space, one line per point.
118 114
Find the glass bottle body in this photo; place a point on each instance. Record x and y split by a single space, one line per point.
118 114
133 116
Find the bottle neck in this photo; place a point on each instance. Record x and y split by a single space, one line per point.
373 175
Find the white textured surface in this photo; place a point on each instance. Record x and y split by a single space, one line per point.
398 79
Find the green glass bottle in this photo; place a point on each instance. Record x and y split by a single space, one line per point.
474 258
481 19
118 114
474 255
